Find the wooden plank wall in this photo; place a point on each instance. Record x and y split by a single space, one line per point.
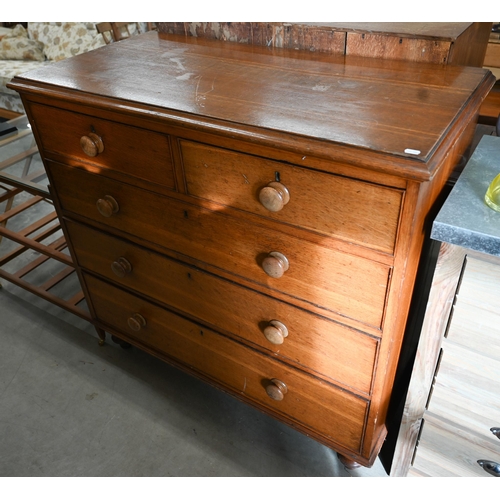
283 35
441 43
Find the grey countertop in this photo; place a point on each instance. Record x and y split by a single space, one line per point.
465 219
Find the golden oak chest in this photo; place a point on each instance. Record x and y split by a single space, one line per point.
254 216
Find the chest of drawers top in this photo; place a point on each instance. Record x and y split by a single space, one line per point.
299 101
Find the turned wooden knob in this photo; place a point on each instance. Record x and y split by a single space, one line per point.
276 389
274 196
107 206
91 144
121 267
275 264
136 322
276 332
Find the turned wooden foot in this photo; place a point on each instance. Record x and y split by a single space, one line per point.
120 342
102 335
347 462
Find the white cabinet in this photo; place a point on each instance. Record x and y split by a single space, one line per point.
464 400
452 410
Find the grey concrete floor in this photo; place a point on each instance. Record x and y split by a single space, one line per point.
70 408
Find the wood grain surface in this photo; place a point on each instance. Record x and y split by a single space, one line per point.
453 400
330 205
312 340
244 370
317 275
386 106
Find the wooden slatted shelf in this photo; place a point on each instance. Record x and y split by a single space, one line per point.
36 236
35 256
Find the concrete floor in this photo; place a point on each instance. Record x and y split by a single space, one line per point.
69 407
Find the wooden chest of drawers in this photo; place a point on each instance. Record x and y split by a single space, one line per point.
255 216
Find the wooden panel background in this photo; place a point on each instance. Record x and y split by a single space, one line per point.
282 35
395 47
444 43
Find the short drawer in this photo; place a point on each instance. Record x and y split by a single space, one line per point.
344 355
336 282
128 150
317 405
348 209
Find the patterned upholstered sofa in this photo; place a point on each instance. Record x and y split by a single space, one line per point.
41 43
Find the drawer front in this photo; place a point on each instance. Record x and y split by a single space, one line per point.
344 355
318 405
476 313
128 150
466 390
445 450
348 209
336 282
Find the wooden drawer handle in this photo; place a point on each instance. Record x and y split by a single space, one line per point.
276 389
91 144
274 196
107 206
276 332
121 267
275 264
136 322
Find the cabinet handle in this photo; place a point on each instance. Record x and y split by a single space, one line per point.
276 332
107 206
496 431
121 267
275 264
276 389
91 144
274 196
490 467
136 322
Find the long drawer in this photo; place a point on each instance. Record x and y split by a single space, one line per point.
344 355
334 281
315 404
349 209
